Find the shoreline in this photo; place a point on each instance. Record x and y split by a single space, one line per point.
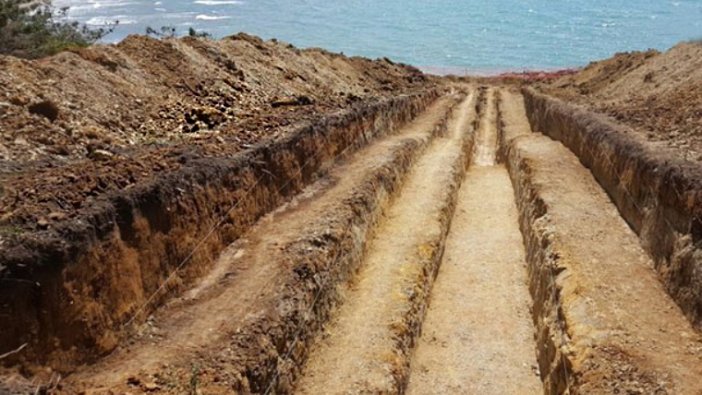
528 74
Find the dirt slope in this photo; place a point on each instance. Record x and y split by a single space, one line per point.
658 94
145 106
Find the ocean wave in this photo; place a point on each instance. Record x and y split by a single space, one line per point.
92 4
203 17
217 2
105 20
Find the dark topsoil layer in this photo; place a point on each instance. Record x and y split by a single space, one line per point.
79 125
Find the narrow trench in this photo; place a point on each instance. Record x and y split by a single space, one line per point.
366 346
478 336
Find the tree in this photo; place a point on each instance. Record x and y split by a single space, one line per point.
33 29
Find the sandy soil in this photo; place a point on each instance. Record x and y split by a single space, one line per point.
604 322
329 293
202 328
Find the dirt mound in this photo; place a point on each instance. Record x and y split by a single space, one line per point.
80 124
659 94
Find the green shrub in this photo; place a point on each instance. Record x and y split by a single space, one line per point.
33 29
194 33
165 32
170 31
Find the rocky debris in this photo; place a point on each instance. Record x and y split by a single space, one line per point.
301 100
100 154
45 108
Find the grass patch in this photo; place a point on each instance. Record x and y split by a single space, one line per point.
34 29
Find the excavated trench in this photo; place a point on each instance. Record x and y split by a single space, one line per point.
68 294
486 241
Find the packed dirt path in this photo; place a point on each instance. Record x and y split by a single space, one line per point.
366 345
478 337
199 331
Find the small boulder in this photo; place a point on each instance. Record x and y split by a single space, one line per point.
45 108
100 154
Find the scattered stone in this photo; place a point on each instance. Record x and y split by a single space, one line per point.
46 108
301 100
43 223
150 387
57 216
100 154
19 100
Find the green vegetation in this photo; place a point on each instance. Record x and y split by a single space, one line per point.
163 32
194 33
35 28
170 32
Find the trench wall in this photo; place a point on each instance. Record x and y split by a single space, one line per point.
69 293
659 195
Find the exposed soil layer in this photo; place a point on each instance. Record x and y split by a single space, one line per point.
659 195
70 291
604 323
247 325
658 94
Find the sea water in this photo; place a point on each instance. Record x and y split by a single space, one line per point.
453 35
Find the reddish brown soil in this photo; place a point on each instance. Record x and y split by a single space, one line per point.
658 94
78 125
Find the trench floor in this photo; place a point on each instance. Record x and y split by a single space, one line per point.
358 348
478 335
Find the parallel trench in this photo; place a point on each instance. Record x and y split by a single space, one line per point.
441 274
493 320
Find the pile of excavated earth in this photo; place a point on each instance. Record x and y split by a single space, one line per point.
657 94
240 216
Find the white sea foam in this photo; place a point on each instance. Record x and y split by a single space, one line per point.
104 20
203 17
75 5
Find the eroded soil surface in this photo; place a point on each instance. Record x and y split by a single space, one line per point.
658 94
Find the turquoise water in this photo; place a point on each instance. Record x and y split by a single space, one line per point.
472 35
